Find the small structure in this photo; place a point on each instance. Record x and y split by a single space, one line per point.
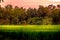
58 6
51 6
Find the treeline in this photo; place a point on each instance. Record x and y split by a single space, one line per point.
49 15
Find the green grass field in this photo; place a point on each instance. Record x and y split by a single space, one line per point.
31 28
29 32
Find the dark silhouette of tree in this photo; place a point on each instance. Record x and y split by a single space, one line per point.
40 11
20 15
1 1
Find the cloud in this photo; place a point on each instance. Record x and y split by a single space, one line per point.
27 3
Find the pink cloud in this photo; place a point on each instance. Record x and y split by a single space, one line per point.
27 3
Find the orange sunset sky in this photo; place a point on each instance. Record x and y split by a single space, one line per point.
29 3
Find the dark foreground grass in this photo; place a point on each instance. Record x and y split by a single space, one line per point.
29 35
30 32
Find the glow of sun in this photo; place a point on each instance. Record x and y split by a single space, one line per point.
56 0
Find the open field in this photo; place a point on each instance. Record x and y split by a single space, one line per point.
30 27
29 32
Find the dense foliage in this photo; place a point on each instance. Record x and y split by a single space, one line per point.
22 16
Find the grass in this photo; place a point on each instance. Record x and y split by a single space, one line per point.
31 28
29 32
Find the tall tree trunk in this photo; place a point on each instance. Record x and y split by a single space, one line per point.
1 1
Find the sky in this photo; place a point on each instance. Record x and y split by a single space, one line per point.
29 3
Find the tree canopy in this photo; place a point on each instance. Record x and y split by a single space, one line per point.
22 16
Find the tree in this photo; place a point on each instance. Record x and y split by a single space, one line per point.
40 11
35 21
1 1
30 13
56 16
35 12
47 21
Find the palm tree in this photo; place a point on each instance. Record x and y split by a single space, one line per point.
1 1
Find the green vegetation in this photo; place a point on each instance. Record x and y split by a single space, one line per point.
29 32
31 28
29 24
31 16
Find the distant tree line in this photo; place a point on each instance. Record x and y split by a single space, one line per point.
49 15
